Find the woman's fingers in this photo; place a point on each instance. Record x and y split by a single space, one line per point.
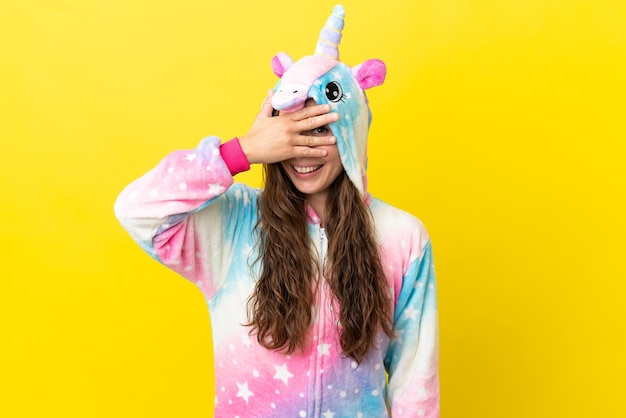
309 111
311 117
313 122
316 141
307 151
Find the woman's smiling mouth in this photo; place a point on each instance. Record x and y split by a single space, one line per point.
307 170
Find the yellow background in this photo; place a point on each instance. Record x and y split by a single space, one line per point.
501 125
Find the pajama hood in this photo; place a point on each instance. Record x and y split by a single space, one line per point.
324 78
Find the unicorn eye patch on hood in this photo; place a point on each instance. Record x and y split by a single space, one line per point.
326 80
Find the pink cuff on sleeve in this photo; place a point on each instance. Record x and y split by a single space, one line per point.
233 156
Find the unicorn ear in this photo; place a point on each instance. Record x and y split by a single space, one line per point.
370 73
281 63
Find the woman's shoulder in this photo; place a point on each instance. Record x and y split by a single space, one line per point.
392 221
384 211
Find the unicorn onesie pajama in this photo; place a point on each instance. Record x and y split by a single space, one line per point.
190 215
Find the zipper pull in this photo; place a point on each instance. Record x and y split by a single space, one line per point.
322 235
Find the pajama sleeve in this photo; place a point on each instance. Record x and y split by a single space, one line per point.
412 358
186 212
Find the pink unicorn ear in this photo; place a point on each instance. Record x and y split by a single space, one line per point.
369 74
281 63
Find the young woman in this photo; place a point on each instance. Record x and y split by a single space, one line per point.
322 298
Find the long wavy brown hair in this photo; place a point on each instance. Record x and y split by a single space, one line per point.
280 306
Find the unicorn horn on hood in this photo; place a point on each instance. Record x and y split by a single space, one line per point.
330 36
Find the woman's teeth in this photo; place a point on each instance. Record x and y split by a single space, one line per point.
305 170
